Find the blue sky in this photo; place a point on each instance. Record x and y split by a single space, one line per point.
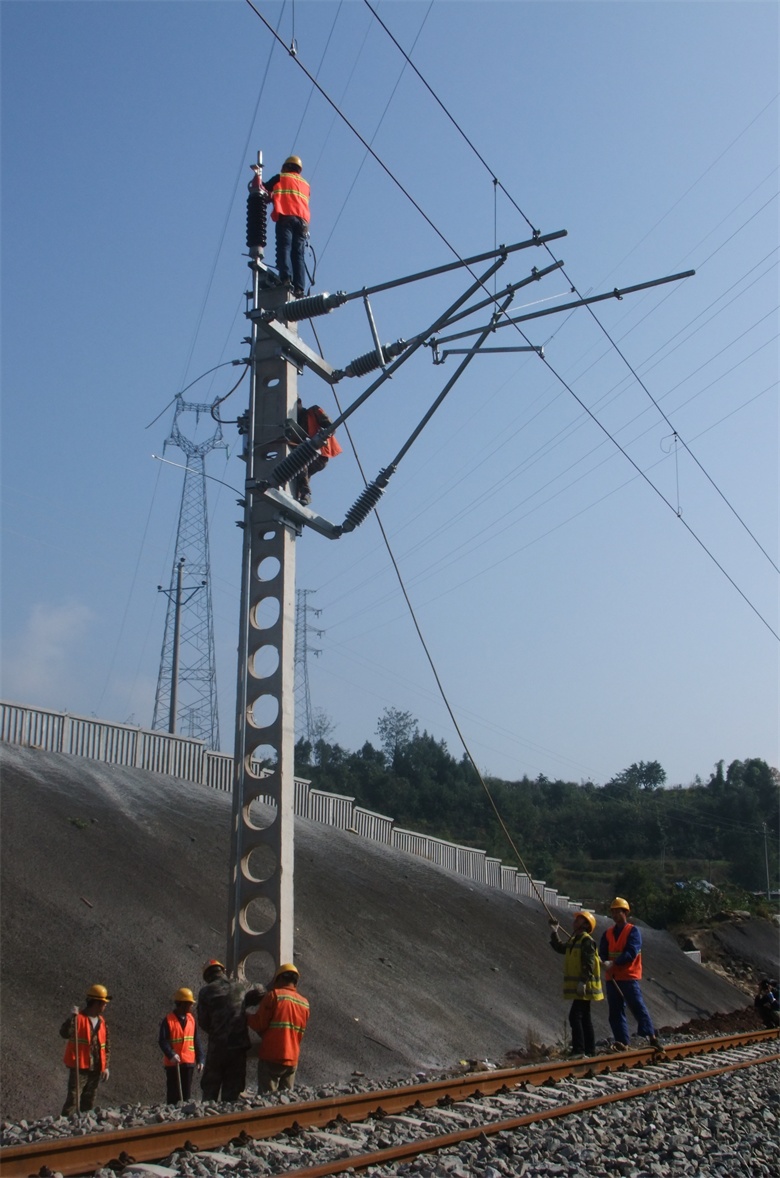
577 623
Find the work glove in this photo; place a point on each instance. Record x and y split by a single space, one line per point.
200 1068
104 1075
176 1058
74 1010
580 989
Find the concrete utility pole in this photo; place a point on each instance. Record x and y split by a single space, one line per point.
261 897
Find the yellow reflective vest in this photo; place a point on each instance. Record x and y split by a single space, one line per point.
573 972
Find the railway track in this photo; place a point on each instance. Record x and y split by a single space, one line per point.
361 1130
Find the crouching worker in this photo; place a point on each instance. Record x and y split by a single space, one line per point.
180 1045
581 979
280 1019
87 1052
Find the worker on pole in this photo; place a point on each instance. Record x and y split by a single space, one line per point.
290 195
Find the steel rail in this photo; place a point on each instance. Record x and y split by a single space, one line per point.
80 1155
411 1149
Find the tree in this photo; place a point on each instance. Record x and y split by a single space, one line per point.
644 775
396 730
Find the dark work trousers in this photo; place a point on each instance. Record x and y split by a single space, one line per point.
624 994
582 1038
225 1069
275 1077
317 464
88 1082
291 234
186 1071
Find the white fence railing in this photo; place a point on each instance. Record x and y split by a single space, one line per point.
190 760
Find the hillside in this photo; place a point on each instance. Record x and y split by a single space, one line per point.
120 876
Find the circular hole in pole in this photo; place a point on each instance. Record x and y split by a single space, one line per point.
266 613
259 966
263 711
263 756
268 568
272 382
264 662
258 916
261 813
260 864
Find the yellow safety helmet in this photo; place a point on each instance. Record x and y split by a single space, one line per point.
619 902
212 963
292 161
283 969
184 995
588 917
98 993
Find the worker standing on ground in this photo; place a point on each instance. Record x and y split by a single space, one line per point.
306 424
280 1019
290 195
87 1052
767 1004
222 1016
581 979
180 1045
620 949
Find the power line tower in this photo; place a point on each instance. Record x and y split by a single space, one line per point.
303 712
186 698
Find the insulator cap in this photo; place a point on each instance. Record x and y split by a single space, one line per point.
309 308
295 462
256 228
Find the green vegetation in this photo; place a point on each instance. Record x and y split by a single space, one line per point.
633 835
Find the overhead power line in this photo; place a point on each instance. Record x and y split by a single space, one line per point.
592 313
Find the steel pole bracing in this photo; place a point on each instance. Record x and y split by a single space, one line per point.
261 876
176 644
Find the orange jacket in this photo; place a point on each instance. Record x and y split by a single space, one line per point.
181 1038
291 197
281 1020
84 1036
316 418
616 942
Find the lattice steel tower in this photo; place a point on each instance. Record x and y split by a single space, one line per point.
196 711
303 712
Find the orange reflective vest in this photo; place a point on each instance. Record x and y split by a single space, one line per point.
291 197
330 447
181 1038
84 1038
616 943
281 1020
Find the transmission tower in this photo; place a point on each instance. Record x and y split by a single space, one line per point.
303 710
188 640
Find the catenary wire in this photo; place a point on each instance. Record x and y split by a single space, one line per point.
590 310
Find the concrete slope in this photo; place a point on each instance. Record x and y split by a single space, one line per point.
119 876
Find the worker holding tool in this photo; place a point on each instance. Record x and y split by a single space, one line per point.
87 1051
222 1016
281 1020
581 978
620 950
180 1045
306 424
290 195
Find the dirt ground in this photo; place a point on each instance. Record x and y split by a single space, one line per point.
119 876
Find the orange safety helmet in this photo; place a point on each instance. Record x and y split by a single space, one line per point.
212 963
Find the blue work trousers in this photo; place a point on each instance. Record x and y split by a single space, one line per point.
627 994
291 234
